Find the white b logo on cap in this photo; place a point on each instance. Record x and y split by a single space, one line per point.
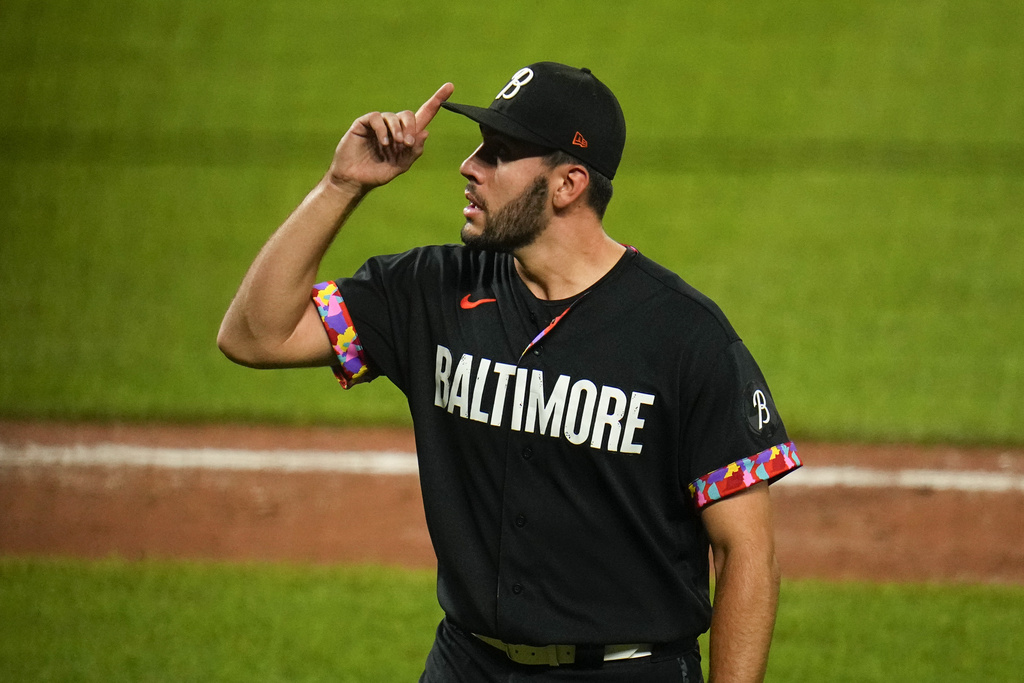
522 77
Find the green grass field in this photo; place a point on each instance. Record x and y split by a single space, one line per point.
845 179
156 621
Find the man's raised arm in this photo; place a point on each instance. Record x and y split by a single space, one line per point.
272 322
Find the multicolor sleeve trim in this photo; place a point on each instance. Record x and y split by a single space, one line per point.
340 330
767 465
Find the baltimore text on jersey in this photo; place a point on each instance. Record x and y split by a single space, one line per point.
579 410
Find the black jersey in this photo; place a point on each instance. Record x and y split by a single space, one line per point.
564 455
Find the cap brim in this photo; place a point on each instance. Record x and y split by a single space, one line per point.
499 122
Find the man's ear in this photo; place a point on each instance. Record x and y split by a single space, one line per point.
572 183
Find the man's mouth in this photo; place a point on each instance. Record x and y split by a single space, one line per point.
474 200
476 205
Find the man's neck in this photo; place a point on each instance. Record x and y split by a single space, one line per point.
563 263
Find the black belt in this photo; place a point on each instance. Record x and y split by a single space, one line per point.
558 655
582 656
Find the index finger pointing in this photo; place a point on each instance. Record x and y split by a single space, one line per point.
425 114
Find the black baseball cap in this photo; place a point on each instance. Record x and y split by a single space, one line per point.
561 107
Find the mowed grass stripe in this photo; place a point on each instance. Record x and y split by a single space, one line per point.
116 620
680 154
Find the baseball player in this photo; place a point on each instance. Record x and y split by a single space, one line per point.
587 424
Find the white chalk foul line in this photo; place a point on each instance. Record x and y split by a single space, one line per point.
935 480
399 463
116 455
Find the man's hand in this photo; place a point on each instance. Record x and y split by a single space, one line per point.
381 146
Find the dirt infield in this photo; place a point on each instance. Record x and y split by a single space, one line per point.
895 533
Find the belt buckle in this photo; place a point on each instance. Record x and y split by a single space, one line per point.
557 655
614 653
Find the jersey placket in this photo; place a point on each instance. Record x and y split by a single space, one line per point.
522 515
543 333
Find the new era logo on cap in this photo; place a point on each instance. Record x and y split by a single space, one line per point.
559 107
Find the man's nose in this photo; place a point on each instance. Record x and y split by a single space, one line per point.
470 168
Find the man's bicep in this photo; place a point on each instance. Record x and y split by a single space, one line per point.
305 346
741 521
310 344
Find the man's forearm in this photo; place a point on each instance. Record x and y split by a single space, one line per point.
271 321
274 295
746 600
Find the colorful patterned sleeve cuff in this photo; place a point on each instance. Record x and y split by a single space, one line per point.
338 323
767 465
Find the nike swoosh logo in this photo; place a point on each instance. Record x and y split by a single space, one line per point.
467 304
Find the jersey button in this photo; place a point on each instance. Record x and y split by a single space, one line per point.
521 521
527 453
517 588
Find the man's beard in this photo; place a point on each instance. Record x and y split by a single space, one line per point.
515 225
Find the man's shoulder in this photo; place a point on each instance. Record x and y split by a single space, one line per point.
437 257
687 304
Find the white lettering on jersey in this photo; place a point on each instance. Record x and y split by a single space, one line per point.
478 391
579 411
518 399
504 371
460 386
610 417
635 422
442 374
586 416
550 410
